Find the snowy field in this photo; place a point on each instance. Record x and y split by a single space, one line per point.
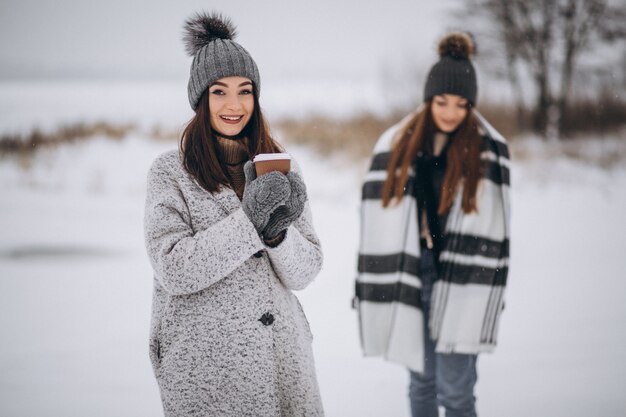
75 283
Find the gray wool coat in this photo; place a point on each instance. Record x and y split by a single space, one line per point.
214 279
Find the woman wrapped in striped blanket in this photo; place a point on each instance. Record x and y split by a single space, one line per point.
434 244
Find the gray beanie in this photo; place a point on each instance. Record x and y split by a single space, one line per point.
454 73
209 40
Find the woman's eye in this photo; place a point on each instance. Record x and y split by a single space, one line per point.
245 92
217 92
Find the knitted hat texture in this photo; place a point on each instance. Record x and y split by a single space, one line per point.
454 72
208 38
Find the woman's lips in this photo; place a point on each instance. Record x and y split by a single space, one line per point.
448 125
231 119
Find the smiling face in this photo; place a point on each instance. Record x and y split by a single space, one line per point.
449 111
231 104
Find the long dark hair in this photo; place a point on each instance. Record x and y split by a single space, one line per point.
463 159
198 144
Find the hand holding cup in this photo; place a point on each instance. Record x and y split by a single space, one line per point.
284 208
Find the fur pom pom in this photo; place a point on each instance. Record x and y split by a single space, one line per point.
203 28
458 45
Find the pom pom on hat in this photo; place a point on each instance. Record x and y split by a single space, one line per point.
203 28
458 45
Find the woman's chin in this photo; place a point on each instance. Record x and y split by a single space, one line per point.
229 132
447 129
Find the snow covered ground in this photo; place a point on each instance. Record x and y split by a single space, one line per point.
75 288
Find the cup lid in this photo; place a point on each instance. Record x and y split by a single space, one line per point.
271 157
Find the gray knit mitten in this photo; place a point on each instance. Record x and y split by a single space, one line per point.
290 211
263 195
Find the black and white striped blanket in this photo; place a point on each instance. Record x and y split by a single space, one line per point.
468 297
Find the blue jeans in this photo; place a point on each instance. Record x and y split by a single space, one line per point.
448 378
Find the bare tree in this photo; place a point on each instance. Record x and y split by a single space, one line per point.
546 38
504 15
582 22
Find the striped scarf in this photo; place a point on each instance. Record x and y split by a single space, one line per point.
467 298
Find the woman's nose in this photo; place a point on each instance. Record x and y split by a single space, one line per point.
233 103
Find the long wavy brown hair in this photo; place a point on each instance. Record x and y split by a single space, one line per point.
198 145
463 159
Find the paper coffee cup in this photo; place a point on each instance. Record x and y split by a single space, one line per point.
267 162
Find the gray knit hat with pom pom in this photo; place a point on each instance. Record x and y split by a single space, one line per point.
208 38
454 73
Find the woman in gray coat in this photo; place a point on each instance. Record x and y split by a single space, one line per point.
228 337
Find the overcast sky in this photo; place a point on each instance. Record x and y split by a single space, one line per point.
287 38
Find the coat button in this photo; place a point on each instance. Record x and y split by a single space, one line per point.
258 254
267 319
